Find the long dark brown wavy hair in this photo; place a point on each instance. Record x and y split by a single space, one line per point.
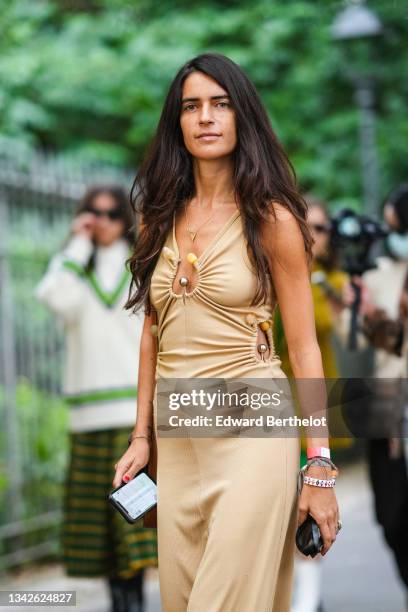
262 172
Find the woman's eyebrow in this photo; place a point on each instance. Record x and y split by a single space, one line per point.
197 99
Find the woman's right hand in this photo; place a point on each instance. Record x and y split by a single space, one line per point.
132 461
83 224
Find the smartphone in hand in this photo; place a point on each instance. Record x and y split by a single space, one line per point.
135 498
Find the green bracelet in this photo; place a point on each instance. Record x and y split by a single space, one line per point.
321 462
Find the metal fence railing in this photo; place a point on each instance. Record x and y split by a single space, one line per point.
37 197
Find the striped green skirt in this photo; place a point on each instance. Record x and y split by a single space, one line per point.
96 539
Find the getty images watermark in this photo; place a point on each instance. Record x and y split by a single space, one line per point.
282 407
204 400
230 407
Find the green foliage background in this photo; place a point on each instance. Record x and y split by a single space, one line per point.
89 78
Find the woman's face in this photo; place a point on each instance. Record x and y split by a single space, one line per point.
106 230
319 226
206 108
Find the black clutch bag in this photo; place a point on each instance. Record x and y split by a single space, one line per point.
308 538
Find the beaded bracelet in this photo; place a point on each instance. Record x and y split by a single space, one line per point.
322 462
318 482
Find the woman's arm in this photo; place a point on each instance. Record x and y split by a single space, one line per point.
283 245
147 379
137 455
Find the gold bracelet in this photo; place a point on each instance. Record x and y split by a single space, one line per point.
132 437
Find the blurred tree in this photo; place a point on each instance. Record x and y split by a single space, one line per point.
89 77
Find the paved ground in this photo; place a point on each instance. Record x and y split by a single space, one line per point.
358 573
91 595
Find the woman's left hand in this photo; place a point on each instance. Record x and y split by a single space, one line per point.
321 503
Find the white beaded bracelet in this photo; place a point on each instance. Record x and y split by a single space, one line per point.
318 482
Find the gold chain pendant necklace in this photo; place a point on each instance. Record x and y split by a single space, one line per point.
193 233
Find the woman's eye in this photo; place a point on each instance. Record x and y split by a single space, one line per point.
189 107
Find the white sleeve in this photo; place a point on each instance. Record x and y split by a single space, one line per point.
62 287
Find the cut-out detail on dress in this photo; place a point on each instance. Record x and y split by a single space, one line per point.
189 270
193 280
172 259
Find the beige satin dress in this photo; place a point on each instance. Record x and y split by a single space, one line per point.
227 507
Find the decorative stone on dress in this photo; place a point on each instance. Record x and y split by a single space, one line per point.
154 330
193 259
262 348
251 319
183 281
169 255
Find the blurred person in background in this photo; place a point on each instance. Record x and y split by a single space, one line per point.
86 285
330 298
383 317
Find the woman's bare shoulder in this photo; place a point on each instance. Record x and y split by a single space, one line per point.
277 212
282 225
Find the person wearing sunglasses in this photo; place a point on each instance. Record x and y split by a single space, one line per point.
86 285
113 214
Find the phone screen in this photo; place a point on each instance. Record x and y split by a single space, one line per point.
137 496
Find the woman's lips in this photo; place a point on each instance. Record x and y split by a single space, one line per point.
209 137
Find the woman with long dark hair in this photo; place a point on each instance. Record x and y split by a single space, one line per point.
223 238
